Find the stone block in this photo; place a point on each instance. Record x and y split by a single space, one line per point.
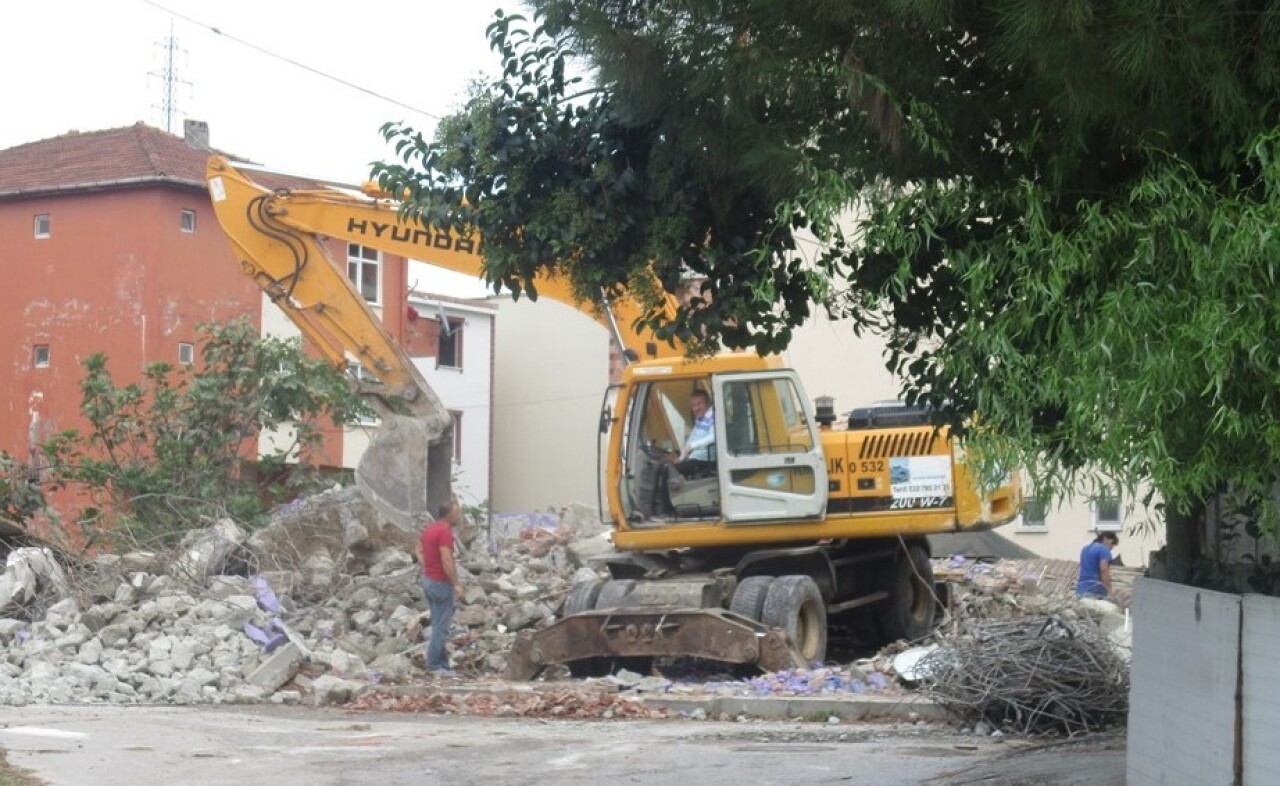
278 669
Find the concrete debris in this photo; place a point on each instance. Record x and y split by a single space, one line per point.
322 606
208 552
1011 590
31 575
315 607
907 664
579 702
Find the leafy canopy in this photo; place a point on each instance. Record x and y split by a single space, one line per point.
168 453
1062 210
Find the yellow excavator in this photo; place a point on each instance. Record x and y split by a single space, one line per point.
789 522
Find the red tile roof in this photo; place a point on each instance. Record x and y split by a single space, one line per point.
114 158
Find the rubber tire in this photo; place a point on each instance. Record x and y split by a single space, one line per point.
909 611
582 597
794 604
613 591
748 597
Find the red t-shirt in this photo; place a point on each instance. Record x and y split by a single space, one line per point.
437 535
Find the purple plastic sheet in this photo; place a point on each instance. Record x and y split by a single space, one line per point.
267 599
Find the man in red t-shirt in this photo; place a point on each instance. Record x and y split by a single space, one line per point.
440 582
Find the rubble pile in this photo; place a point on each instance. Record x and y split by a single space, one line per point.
1007 590
314 606
1012 587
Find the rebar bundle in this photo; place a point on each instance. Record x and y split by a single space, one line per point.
1031 677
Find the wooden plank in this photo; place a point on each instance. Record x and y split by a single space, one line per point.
1182 713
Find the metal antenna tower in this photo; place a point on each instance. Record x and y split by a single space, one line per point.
169 80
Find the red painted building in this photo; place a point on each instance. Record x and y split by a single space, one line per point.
111 245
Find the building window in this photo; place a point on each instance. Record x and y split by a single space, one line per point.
449 352
1106 513
363 266
457 434
186 353
40 356
363 377
188 222
1034 515
43 226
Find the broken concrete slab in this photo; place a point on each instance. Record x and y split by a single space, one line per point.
278 669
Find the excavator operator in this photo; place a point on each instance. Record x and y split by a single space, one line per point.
697 459
699 453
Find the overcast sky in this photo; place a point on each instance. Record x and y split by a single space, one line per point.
95 64
88 65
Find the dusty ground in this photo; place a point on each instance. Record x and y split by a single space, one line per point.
137 746
15 776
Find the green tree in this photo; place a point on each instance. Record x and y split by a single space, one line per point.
1065 208
20 495
166 454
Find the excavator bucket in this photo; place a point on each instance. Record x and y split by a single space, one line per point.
405 471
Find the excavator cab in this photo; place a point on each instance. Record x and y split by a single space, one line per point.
661 420
766 458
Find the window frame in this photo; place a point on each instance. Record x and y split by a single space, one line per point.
1028 524
357 264
182 221
47 231
358 372
41 356
456 415
455 336
1108 525
186 353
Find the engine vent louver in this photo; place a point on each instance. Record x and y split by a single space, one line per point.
911 443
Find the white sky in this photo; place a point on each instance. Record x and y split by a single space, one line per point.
87 65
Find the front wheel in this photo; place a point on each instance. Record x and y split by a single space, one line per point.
794 604
908 612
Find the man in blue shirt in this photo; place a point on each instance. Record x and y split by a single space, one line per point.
1095 566
697 458
699 452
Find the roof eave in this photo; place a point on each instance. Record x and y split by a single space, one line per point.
104 185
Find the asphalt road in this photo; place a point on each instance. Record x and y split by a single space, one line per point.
138 746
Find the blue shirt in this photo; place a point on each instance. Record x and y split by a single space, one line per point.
1091 559
702 440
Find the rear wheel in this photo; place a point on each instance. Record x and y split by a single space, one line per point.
748 597
794 604
582 597
908 612
587 596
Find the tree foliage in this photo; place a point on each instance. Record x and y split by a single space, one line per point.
1065 209
20 494
168 453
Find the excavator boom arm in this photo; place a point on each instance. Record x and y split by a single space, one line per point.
289 262
377 224
279 239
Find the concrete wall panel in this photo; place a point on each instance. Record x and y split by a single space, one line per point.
1182 712
1260 642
